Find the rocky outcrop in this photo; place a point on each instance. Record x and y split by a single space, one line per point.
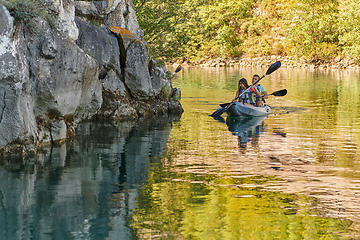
136 72
60 72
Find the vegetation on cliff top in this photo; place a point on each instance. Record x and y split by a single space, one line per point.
27 10
316 30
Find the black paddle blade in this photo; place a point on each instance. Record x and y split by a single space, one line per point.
224 105
280 93
218 112
275 66
178 69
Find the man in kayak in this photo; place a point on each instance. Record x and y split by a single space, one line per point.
247 97
259 101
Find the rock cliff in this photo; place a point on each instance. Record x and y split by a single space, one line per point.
70 61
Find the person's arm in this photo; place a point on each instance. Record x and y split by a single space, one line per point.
263 92
254 90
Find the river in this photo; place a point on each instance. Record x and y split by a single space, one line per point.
291 175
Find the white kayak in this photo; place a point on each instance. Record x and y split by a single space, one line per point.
238 109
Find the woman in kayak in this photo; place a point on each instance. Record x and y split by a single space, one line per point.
247 96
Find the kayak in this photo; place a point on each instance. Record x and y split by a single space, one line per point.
238 109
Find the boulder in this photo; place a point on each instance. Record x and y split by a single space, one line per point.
47 85
100 45
65 16
116 105
136 73
159 80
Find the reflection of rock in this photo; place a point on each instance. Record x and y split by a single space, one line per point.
92 180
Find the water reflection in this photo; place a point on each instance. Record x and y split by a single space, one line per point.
84 189
247 129
186 179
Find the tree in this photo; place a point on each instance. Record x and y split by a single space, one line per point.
167 24
314 29
350 28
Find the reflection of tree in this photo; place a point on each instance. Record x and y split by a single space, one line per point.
180 205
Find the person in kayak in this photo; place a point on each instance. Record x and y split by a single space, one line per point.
248 96
259 101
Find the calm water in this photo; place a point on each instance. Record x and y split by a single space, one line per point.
292 175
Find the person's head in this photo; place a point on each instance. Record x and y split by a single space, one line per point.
255 78
243 84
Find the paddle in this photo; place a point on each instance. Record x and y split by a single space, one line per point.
177 69
275 66
279 93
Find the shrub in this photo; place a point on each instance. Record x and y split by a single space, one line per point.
26 11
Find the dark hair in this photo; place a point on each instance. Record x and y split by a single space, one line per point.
256 76
244 81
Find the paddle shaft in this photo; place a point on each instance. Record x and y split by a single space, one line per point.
245 91
271 69
275 66
278 93
250 87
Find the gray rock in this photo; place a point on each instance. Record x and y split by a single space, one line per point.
113 83
58 131
135 50
17 122
47 86
159 79
99 45
49 48
116 104
86 8
137 76
123 15
8 59
49 83
65 85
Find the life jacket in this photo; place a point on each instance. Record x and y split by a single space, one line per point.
246 97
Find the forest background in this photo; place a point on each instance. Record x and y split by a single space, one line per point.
190 30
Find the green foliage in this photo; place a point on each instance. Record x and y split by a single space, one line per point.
26 11
166 24
313 29
350 28
316 30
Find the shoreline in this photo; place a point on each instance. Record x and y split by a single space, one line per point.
291 62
